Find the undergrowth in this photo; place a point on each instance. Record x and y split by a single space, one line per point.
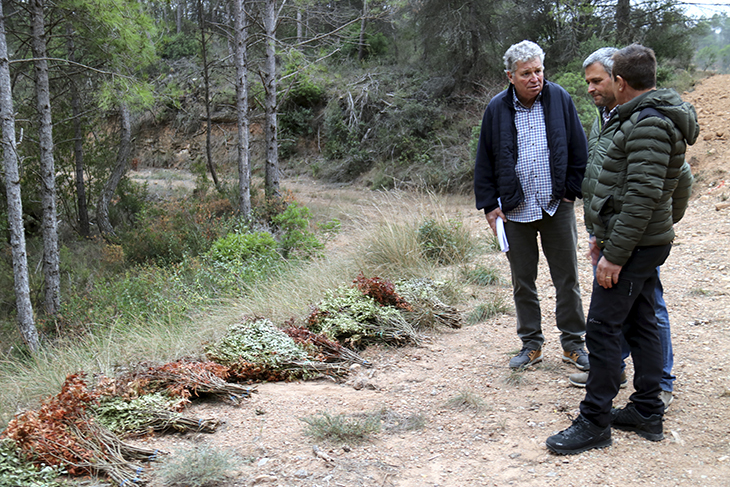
202 466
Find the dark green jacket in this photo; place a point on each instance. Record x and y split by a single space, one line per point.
599 139
632 201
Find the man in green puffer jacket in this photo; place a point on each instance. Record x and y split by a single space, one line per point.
632 211
598 69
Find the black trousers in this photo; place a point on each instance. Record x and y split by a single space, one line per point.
627 307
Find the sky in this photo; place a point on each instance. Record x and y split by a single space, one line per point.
706 8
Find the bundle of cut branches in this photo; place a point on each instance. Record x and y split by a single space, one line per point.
147 413
186 378
351 317
322 348
256 349
427 308
63 433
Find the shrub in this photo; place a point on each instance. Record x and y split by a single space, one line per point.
575 84
167 231
324 426
178 45
296 240
241 247
203 466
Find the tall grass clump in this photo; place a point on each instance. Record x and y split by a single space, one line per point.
202 466
481 275
445 242
413 239
340 427
484 311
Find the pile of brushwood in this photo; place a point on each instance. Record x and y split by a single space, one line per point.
376 310
80 430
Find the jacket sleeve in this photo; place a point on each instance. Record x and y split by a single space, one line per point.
485 177
591 172
577 153
680 197
648 148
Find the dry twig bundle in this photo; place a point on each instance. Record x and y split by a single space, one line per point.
63 433
186 378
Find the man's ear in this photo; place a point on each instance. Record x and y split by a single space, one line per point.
620 83
509 76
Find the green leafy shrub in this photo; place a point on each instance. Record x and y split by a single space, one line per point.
376 43
295 239
242 247
123 416
178 45
575 84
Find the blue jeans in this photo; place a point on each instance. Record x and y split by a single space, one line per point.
665 336
559 239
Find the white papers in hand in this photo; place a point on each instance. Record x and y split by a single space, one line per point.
501 235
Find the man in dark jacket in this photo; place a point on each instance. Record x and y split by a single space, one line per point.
598 68
529 168
633 208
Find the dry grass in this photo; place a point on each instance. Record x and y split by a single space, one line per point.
379 239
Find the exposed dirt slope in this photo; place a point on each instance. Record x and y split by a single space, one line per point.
504 444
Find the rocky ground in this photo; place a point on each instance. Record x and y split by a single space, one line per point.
502 443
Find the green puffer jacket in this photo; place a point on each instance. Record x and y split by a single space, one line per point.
633 199
599 139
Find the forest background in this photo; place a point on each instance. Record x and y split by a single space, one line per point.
244 95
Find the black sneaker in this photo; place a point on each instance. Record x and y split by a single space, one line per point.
578 357
629 419
581 436
525 358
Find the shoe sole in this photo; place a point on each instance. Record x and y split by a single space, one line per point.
583 384
644 434
560 451
520 367
577 365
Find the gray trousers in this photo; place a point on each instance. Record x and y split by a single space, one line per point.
559 239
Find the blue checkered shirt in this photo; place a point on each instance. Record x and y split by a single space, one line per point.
533 164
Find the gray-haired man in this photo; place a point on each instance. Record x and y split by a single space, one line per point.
529 167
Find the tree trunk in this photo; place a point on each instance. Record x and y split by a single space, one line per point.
179 15
206 82
623 22
300 26
47 166
83 212
26 323
361 46
120 167
271 183
244 168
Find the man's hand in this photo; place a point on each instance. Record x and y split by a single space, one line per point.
492 218
607 273
594 253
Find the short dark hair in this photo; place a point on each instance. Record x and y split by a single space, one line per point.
636 64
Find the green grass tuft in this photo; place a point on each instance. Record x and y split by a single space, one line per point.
340 427
203 466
